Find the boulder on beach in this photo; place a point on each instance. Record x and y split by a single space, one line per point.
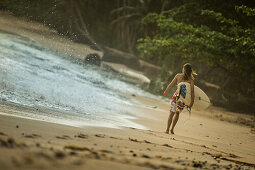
93 59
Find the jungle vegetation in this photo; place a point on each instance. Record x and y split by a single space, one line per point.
217 37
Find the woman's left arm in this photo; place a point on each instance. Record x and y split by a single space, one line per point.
192 93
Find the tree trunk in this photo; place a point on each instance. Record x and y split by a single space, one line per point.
82 28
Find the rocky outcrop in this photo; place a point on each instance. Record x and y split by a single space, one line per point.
131 61
117 56
149 70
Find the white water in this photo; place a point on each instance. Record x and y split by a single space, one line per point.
34 76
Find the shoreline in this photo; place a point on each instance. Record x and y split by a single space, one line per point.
50 39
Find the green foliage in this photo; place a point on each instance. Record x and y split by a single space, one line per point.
225 44
36 10
246 10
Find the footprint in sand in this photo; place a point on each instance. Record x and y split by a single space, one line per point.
72 153
134 140
112 137
146 156
147 141
233 155
31 135
78 162
99 135
65 137
2 134
105 151
28 160
11 143
44 155
80 135
76 148
166 145
59 154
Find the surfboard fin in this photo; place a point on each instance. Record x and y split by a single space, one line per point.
188 108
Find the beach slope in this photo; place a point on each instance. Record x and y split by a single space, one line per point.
204 140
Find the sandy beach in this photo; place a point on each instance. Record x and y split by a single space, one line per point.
206 140
209 139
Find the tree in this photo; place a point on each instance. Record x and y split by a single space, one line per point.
127 22
221 43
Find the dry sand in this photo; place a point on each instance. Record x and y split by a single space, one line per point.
206 140
211 139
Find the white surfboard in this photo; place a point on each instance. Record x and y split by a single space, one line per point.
201 100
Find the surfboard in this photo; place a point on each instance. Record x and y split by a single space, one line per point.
201 100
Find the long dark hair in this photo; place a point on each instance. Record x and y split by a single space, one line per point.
188 72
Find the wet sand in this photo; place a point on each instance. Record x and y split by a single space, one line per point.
206 140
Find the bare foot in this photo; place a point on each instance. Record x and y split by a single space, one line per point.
167 131
172 132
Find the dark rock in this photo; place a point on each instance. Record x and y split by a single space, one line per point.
93 59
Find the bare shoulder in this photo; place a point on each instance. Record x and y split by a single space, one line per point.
178 75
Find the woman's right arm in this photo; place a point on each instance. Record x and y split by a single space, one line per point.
171 84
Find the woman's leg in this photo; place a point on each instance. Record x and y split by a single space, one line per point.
176 117
170 118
